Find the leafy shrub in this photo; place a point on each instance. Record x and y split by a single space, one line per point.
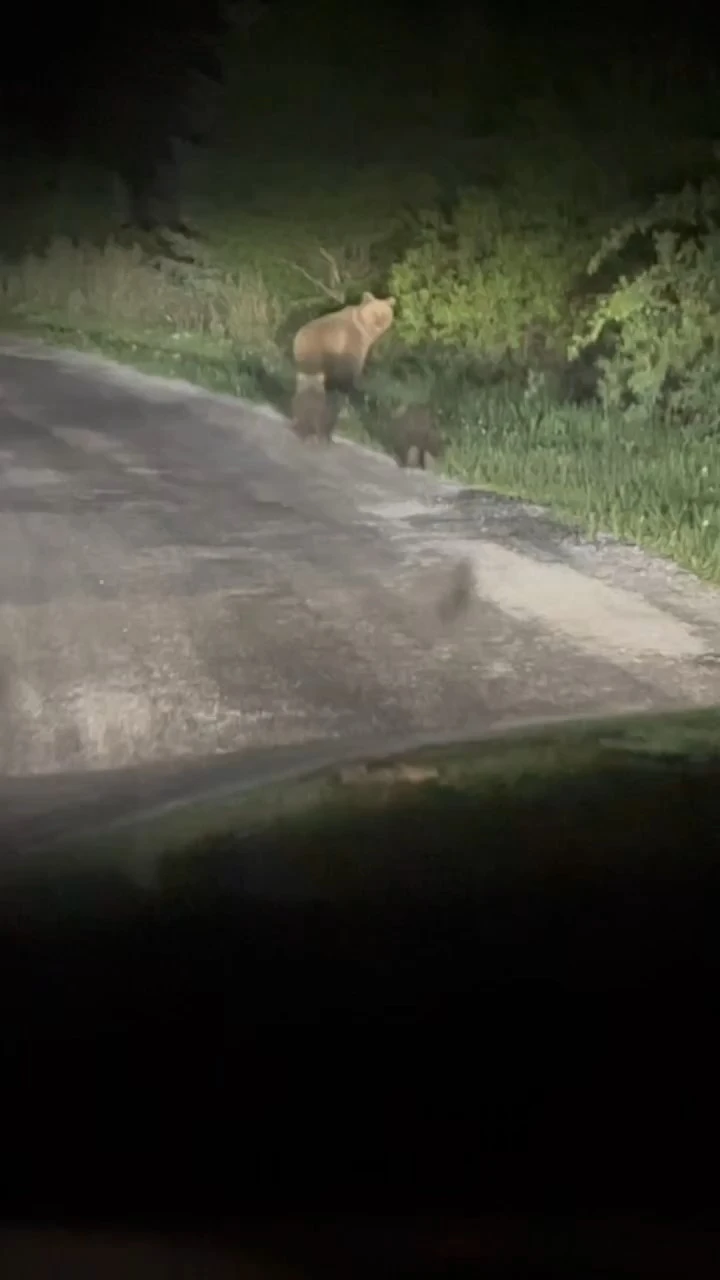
489 277
665 318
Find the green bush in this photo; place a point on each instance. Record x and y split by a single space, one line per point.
490 278
664 319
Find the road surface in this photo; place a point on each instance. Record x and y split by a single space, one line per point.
179 576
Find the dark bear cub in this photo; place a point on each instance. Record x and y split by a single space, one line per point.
314 413
413 436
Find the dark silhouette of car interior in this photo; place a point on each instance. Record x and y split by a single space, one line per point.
446 1011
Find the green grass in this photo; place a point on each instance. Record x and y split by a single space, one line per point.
224 321
649 484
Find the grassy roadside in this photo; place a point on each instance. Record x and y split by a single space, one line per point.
223 321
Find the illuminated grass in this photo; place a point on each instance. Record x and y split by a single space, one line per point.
645 484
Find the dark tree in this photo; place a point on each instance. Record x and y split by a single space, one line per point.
155 87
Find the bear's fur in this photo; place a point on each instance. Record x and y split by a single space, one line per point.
412 435
332 350
314 413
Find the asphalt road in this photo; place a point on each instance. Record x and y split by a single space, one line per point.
179 576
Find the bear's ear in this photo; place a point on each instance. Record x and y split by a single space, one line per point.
391 302
367 297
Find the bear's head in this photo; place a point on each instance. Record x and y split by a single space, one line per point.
376 314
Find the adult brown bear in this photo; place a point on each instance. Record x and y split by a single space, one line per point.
330 354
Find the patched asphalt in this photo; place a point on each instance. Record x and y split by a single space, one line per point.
180 576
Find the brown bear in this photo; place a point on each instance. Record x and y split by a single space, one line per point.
330 353
412 436
314 413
